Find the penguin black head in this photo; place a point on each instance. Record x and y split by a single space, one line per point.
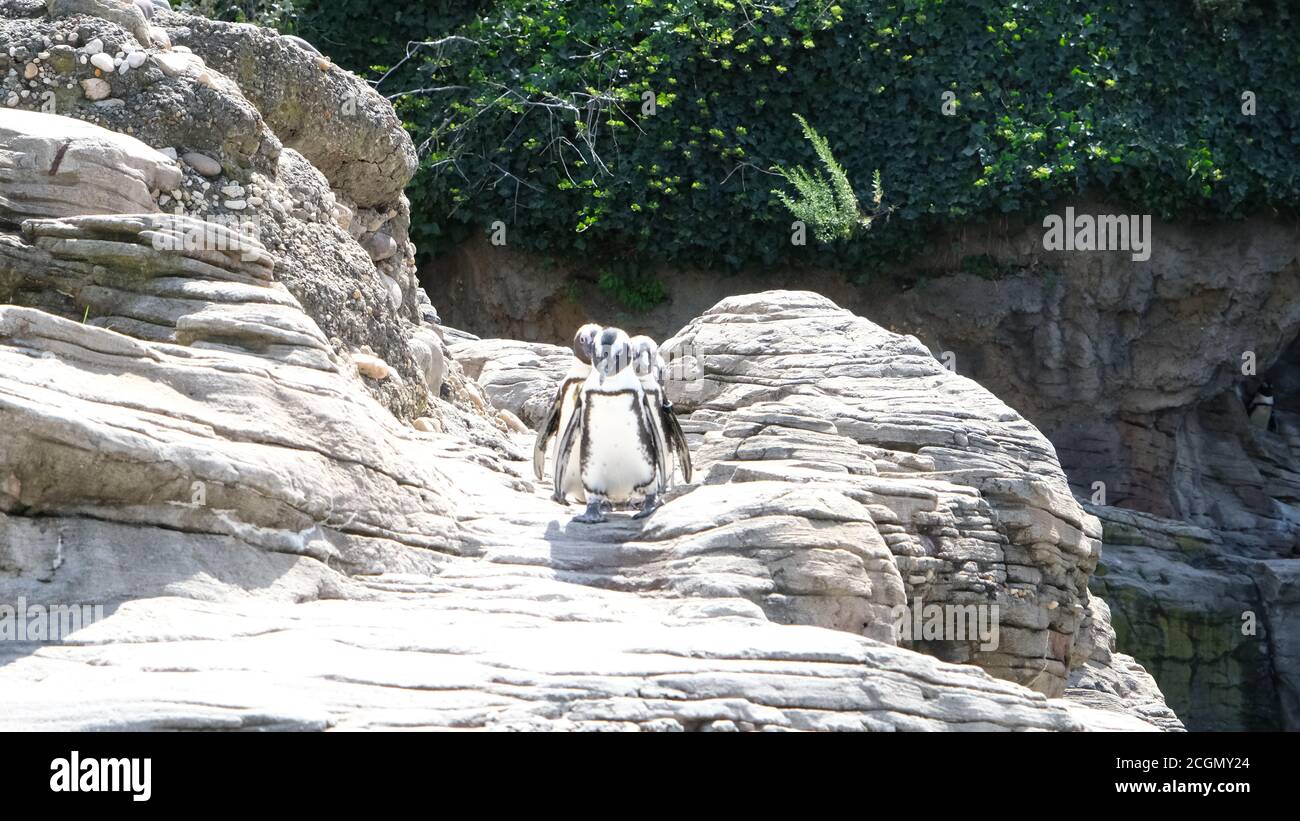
1265 388
613 352
645 355
584 342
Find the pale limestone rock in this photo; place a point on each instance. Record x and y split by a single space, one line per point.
404 529
521 377
43 156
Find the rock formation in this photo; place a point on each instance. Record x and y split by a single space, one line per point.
1133 370
225 419
959 501
238 160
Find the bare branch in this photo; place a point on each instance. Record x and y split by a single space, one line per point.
413 46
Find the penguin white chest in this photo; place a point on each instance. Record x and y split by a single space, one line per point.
1261 412
615 456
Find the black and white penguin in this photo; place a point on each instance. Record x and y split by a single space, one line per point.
651 370
557 419
612 432
1260 407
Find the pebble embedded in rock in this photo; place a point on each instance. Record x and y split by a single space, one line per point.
381 246
95 89
342 215
512 422
202 163
176 62
103 62
394 291
372 366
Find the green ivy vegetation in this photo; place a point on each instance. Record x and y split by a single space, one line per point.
276 14
537 117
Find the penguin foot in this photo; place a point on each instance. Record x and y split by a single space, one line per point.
650 505
594 514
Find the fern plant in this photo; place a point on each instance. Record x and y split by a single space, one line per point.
825 201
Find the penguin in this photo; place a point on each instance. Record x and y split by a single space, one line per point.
612 434
557 419
1261 407
651 370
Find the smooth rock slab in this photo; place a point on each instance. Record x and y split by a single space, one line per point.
521 377
44 156
541 656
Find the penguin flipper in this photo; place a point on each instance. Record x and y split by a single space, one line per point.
568 441
658 440
676 439
544 434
